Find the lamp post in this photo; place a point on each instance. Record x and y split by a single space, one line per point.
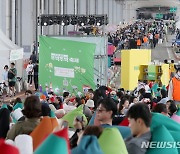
36 42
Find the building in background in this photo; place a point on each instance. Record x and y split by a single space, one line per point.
18 19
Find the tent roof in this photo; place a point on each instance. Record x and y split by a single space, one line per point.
6 43
178 24
8 48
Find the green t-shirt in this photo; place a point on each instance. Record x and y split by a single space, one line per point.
15 73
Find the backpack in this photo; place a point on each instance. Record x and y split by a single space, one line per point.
10 75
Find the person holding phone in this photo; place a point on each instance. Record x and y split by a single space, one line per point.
79 125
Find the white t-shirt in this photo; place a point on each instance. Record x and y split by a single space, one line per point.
147 88
151 36
68 108
5 76
29 69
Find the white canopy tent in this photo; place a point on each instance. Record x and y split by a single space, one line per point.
178 24
10 52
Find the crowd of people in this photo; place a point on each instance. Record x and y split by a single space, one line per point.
103 120
10 78
140 35
86 119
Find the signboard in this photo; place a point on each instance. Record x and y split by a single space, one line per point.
159 16
16 54
151 72
173 9
65 64
151 76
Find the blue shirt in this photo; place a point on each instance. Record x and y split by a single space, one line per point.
5 75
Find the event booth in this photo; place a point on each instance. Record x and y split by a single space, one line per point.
9 52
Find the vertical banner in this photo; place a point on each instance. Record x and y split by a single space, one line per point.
66 65
151 72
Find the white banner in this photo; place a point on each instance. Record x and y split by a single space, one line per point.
16 54
64 72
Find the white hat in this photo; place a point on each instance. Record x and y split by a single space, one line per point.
17 114
90 103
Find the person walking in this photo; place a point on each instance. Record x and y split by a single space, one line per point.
36 74
145 40
174 88
138 43
29 71
12 73
151 40
33 58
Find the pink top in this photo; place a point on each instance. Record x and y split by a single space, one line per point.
175 118
111 49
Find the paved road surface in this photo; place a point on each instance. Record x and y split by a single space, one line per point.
164 51
21 95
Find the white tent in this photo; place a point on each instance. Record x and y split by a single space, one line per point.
178 24
9 52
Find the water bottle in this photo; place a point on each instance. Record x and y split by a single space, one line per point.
40 88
